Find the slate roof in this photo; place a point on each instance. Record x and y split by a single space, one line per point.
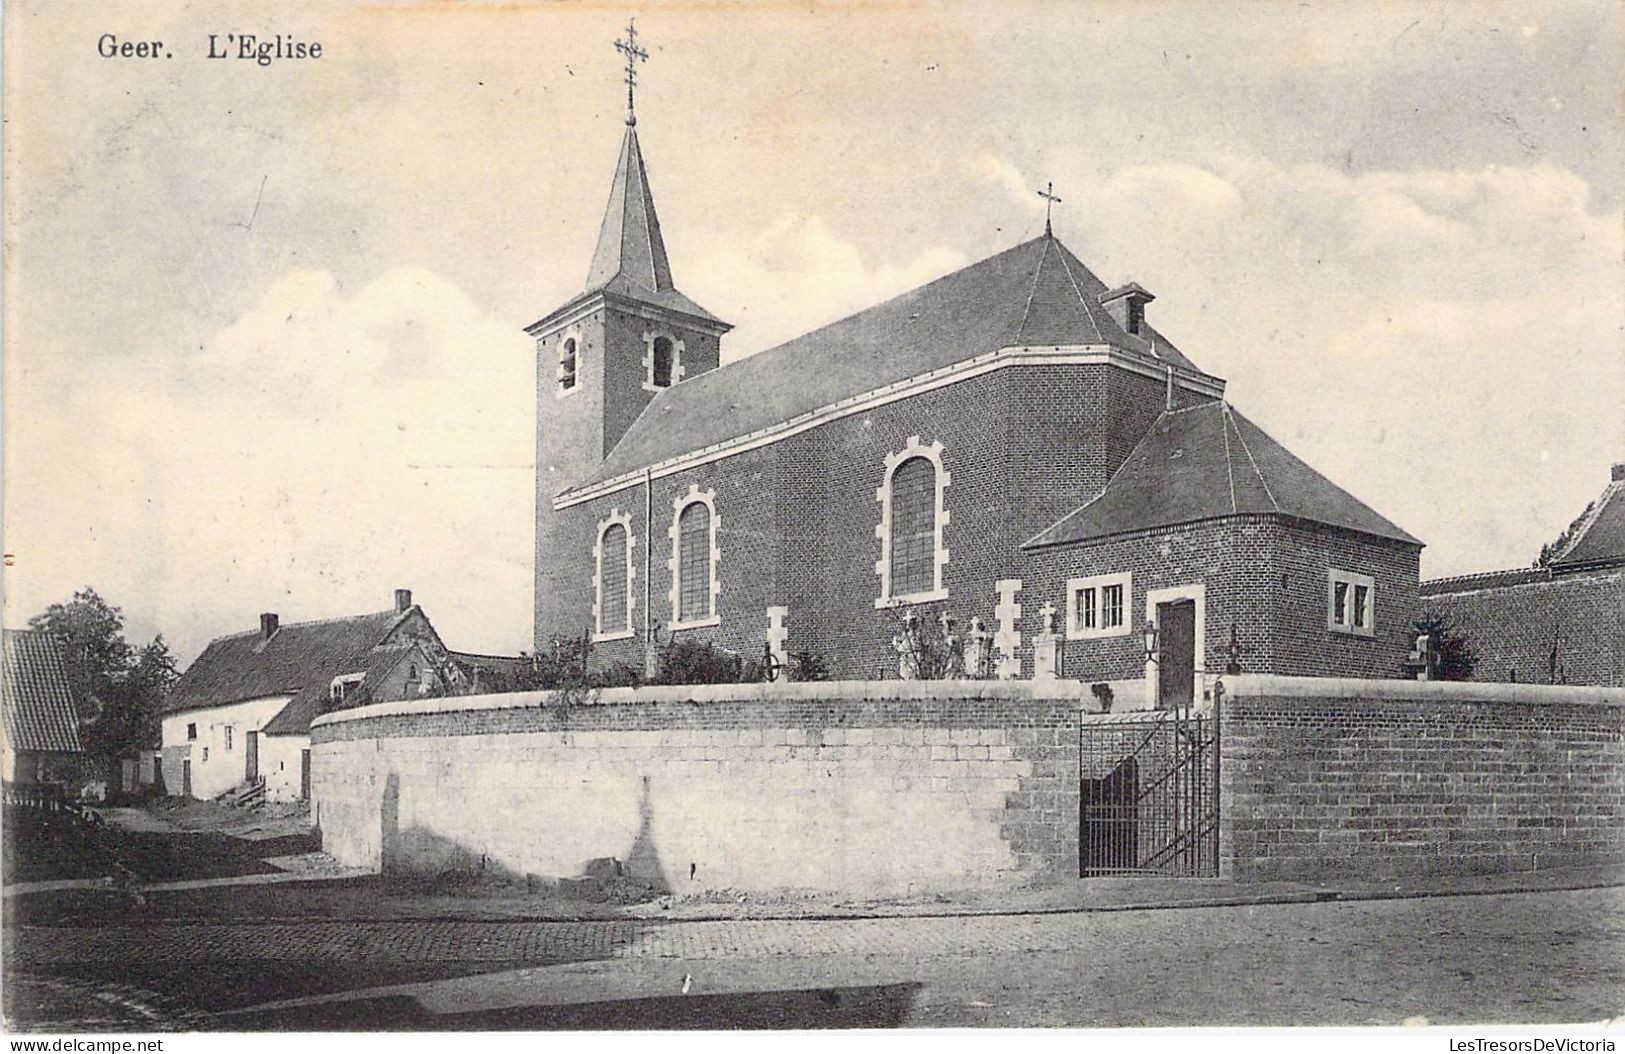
1209 462
1517 576
496 672
300 659
1036 293
37 699
1600 541
630 260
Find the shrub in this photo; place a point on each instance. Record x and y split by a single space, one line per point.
1453 655
925 646
805 666
698 662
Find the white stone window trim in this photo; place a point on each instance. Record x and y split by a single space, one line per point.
708 498
1347 625
344 686
1075 629
939 590
615 518
559 390
1196 591
677 348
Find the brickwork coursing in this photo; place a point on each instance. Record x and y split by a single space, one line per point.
1321 788
848 794
1513 627
1264 576
576 432
1024 445
908 788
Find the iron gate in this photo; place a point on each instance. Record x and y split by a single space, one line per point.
1149 795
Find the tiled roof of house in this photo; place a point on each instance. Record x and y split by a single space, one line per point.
38 701
1034 294
1516 576
1600 541
1209 462
300 659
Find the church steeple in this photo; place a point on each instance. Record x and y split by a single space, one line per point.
629 242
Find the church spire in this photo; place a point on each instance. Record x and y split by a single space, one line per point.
629 242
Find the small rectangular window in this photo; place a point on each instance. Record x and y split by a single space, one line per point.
228 737
1098 606
1350 603
191 731
1111 607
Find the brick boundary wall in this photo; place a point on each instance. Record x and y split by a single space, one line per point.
851 786
1324 778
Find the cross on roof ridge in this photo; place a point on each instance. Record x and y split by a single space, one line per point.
634 55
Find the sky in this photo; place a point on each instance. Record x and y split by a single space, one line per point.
263 326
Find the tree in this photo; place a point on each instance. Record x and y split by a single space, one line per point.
119 689
1453 655
1553 549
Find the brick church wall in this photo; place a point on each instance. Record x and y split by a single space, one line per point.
1024 446
1513 626
1302 643
1263 576
1370 780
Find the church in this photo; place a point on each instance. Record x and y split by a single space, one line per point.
1013 443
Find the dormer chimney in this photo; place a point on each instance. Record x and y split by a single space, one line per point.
403 601
268 623
1126 305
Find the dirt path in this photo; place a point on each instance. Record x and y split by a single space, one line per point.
1529 957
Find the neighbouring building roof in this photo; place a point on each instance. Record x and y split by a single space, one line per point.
1600 541
493 672
1034 294
1209 462
299 659
38 700
1517 576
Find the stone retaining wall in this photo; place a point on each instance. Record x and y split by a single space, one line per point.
898 787
857 786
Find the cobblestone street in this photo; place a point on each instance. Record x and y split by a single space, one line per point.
1516 957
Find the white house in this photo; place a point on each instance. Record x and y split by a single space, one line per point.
242 711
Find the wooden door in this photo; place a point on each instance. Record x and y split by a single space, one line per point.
186 778
251 756
304 774
1176 647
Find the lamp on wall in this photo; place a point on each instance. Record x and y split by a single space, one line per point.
1150 632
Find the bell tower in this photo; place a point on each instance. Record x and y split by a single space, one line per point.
600 359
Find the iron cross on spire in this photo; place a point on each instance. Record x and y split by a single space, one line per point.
634 55
1050 199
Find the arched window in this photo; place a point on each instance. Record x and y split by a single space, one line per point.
913 514
694 563
612 578
913 526
660 367
662 360
567 364
612 609
694 557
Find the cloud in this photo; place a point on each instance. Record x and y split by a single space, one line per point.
1445 343
320 450
799 274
